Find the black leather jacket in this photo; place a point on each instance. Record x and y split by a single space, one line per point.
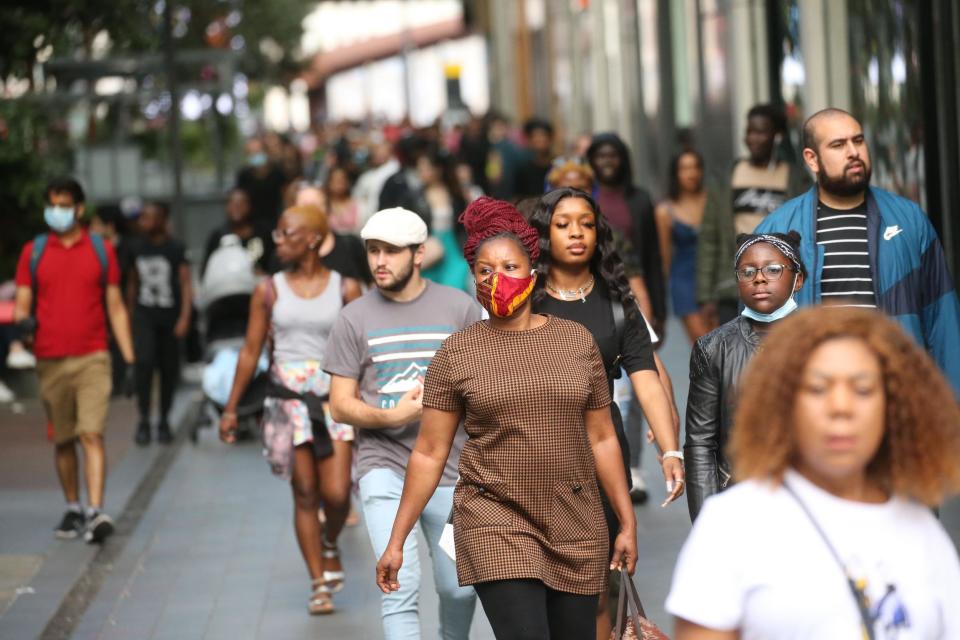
716 363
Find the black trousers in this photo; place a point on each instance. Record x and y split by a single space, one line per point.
156 348
530 610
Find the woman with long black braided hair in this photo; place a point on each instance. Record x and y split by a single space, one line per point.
581 278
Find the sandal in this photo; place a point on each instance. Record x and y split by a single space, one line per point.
321 602
333 580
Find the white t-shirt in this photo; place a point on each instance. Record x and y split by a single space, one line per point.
754 562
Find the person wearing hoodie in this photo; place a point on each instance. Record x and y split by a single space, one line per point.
629 209
264 181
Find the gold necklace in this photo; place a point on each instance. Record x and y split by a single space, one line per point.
572 294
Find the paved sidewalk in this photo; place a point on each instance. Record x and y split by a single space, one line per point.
214 554
215 557
36 570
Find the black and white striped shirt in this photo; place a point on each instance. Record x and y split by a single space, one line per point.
847 279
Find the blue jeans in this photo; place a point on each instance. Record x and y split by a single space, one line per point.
380 491
632 417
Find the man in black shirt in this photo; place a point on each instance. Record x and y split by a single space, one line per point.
532 174
239 222
263 181
159 293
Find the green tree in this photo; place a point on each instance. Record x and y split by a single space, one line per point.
32 139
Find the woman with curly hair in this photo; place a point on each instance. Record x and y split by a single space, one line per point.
581 278
847 434
768 271
531 389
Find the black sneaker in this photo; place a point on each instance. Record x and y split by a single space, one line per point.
639 494
71 526
99 528
142 436
164 435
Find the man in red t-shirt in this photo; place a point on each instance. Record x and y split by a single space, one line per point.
71 290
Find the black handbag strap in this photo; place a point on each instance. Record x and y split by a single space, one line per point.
859 597
628 605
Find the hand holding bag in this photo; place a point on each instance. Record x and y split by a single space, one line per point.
632 623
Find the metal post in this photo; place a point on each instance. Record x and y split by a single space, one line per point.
176 203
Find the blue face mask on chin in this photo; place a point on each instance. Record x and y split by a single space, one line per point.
786 309
257 159
60 219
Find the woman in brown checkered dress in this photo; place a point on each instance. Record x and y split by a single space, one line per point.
532 391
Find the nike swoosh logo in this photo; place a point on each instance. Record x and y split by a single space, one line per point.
891 232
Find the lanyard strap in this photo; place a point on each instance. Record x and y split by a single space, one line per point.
858 595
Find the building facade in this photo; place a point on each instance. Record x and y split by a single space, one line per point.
663 73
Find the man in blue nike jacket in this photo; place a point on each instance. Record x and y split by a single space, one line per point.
869 247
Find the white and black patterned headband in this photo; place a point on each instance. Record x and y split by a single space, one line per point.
780 244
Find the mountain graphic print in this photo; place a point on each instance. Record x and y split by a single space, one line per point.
400 357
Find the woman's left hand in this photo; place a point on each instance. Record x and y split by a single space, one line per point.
625 551
674 476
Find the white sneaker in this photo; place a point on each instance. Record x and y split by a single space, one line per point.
6 395
21 359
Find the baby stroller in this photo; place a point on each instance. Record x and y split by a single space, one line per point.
224 303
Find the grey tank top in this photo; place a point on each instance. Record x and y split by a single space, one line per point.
301 325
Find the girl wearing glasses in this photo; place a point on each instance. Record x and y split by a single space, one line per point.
768 271
296 309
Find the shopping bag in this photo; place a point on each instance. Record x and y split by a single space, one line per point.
446 538
632 622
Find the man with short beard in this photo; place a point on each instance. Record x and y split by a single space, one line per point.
872 248
377 354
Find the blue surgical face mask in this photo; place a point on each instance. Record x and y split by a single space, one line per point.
60 219
786 309
257 159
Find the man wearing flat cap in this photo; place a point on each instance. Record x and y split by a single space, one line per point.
377 355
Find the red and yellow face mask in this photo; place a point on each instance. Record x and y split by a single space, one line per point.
502 295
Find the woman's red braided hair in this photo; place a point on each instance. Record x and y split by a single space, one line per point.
487 217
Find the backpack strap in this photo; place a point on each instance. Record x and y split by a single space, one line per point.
269 293
269 299
39 244
101 251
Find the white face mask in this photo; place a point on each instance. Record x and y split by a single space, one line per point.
60 219
785 309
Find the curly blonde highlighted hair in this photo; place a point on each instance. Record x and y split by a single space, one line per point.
563 167
919 456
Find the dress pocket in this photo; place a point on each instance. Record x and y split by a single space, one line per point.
477 506
574 512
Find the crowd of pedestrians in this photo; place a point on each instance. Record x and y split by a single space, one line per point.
446 320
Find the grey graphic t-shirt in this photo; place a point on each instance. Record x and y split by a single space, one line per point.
387 346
